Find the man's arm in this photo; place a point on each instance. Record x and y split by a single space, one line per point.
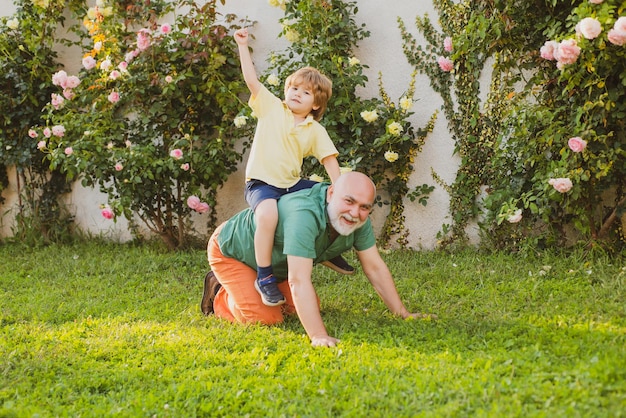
306 302
379 276
247 66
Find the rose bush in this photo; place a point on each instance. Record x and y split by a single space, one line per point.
564 157
150 118
27 56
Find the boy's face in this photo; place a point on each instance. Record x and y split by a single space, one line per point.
300 99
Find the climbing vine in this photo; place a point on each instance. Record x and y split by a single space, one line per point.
475 41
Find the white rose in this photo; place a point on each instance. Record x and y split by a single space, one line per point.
240 121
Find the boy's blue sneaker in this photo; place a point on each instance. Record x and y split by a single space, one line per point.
269 291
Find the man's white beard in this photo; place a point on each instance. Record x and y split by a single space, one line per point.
335 221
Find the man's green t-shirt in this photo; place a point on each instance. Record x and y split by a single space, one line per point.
303 230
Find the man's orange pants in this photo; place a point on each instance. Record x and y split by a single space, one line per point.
238 300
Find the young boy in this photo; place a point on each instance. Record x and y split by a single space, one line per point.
286 132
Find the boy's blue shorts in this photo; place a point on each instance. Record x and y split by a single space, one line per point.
258 191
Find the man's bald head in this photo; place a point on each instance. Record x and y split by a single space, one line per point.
354 181
350 200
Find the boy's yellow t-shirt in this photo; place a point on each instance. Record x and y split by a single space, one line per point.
279 147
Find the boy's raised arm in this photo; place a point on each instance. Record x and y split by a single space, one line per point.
247 66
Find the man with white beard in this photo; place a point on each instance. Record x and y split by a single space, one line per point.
314 225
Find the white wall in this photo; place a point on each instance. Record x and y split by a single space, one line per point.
382 52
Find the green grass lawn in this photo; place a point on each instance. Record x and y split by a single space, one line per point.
96 330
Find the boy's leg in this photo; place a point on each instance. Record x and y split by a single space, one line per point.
266 218
237 300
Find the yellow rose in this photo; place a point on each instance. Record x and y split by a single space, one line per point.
353 61
92 13
273 80
395 128
344 170
406 103
369 115
291 35
13 24
42 3
316 178
391 156
278 3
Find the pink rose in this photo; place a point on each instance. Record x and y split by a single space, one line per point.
47 132
32 133
131 55
447 44
577 144
185 167
166 28
106 64
59 78
548 49
108 213
596 1
119 167
202 207
445 64
123 66
143 39
193 202
115 75
561 185
68 94
617 37
41 145
89 62
176 154
515 217
69 151
58 130
57 101
620 24
114 97
72 82
567 52
589 27
168 79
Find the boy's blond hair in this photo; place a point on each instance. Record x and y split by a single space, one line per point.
321 86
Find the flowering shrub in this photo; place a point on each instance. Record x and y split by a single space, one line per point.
150 118
27 56
564 154
372 136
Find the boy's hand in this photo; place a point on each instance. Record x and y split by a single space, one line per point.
241 36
